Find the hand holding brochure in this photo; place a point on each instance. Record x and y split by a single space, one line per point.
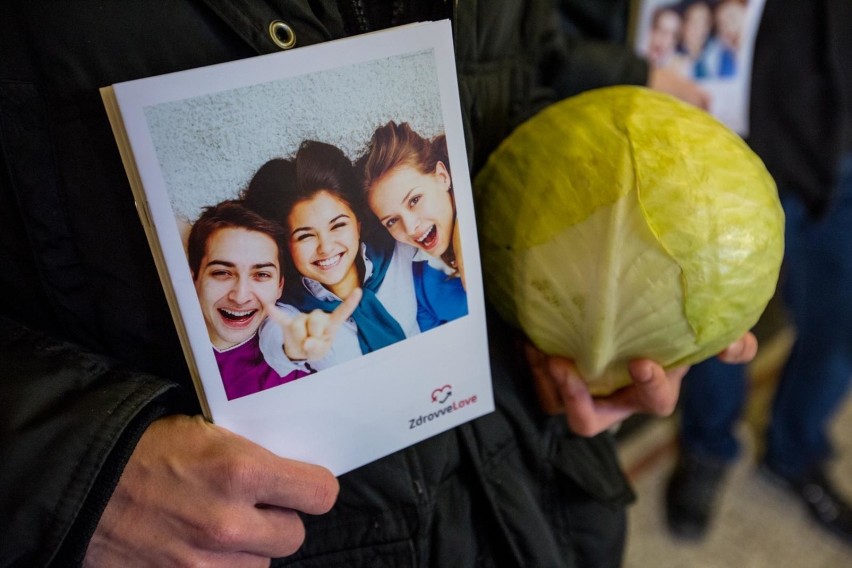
313 267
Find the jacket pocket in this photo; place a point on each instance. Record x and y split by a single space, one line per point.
354 539
592 464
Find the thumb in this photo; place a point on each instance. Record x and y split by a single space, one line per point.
277 314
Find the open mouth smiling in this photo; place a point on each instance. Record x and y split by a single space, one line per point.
328 263
237 317
428 239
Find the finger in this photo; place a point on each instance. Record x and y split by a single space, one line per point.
656 391
252 473
317 324
285 532
295 333
276 314
581 408
261 532
297 485
217 558
741 351
544 384
314 349
345 310
298 328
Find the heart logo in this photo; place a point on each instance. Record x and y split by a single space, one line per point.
441 395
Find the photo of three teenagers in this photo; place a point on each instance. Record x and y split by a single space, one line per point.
321 260
319 219
311 218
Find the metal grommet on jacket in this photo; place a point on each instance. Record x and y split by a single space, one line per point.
282 34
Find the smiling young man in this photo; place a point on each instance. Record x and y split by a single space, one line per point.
236 257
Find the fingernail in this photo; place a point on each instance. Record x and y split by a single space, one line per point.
737 349
643 373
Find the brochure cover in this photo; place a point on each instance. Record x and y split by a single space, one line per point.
708 41
307 211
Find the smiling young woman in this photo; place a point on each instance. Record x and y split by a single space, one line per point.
324 240
315 195
409 189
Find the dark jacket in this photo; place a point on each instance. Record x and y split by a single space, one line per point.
88 349
801 95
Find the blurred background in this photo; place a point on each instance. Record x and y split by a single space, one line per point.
757 524
778 73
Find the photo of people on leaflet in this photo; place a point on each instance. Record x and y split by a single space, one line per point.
409 189
338 239
707 41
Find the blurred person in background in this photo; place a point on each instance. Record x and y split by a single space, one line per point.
697 49
666 22
596 33
800 117
730 18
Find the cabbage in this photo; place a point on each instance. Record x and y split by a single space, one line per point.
622 223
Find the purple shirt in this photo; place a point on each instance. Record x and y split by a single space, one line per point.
244 370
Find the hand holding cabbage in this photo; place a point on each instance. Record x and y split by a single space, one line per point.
653 391
622 224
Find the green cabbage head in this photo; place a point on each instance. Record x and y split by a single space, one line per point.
622 223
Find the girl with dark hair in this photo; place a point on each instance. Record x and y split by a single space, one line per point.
316 196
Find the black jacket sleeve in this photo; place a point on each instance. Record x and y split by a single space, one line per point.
83 312
66 414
